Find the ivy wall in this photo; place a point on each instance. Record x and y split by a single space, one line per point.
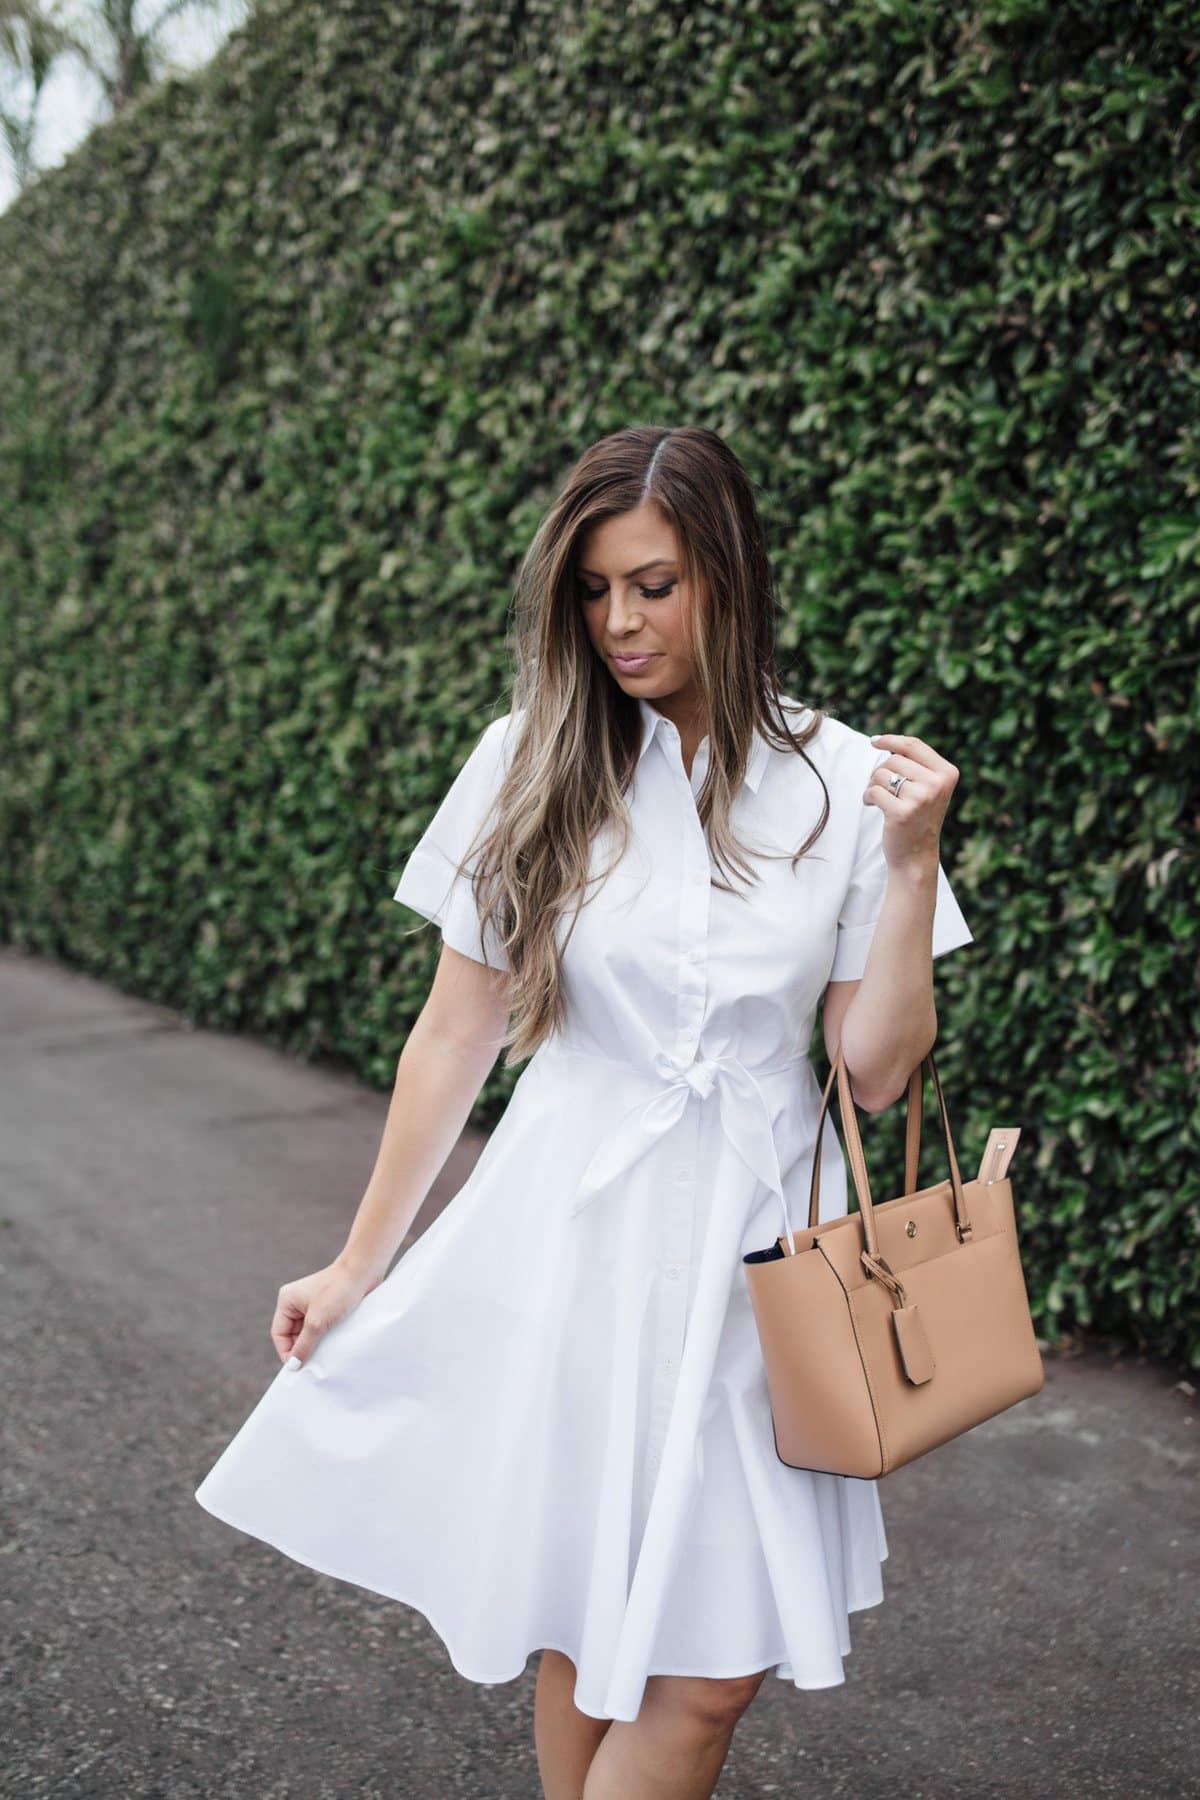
293 356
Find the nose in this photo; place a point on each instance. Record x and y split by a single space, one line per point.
623 609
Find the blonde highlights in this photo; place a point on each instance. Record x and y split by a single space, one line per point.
575 732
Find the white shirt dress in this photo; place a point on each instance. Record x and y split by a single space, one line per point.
549 1425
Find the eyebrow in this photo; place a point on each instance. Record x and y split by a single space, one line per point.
660 562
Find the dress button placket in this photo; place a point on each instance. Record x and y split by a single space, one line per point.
678 1204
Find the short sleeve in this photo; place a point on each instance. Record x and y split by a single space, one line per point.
863 901
430 882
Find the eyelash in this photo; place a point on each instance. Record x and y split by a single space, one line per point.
647 593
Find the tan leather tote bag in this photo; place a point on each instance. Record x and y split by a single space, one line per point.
891 1329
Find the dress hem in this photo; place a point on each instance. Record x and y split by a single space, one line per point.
420 1607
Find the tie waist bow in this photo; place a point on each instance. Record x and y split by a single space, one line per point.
744 1115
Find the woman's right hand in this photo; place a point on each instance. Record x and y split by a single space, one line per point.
306 1309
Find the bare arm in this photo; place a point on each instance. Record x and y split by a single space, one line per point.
886 1021
445 1061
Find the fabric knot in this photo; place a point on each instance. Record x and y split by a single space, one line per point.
745 1120
700 1076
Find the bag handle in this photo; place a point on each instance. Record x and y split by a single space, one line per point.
914 1106
848 1109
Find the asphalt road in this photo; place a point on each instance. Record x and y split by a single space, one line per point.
1038 1632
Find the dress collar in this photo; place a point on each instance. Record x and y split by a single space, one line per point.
760 750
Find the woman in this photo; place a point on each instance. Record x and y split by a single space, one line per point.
548 1428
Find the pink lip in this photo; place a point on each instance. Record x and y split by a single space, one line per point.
629 665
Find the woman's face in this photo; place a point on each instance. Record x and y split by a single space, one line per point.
633 598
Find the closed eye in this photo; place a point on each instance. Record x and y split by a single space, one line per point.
648 593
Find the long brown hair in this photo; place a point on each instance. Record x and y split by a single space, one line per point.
577 736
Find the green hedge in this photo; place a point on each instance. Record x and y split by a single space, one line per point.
294 355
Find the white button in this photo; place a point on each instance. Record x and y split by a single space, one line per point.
698 877
666 1362
683 1174
696 954
674 1271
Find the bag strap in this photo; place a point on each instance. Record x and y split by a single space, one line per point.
914 1106
848 1108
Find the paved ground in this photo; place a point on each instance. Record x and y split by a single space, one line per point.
1038 1635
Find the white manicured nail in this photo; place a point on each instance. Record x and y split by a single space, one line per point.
293 1362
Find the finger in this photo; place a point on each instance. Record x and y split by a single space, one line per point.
899 764
915 747
313 1331
915 788
882 797
913 795
285 1325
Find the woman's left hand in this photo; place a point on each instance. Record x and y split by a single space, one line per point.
912 819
